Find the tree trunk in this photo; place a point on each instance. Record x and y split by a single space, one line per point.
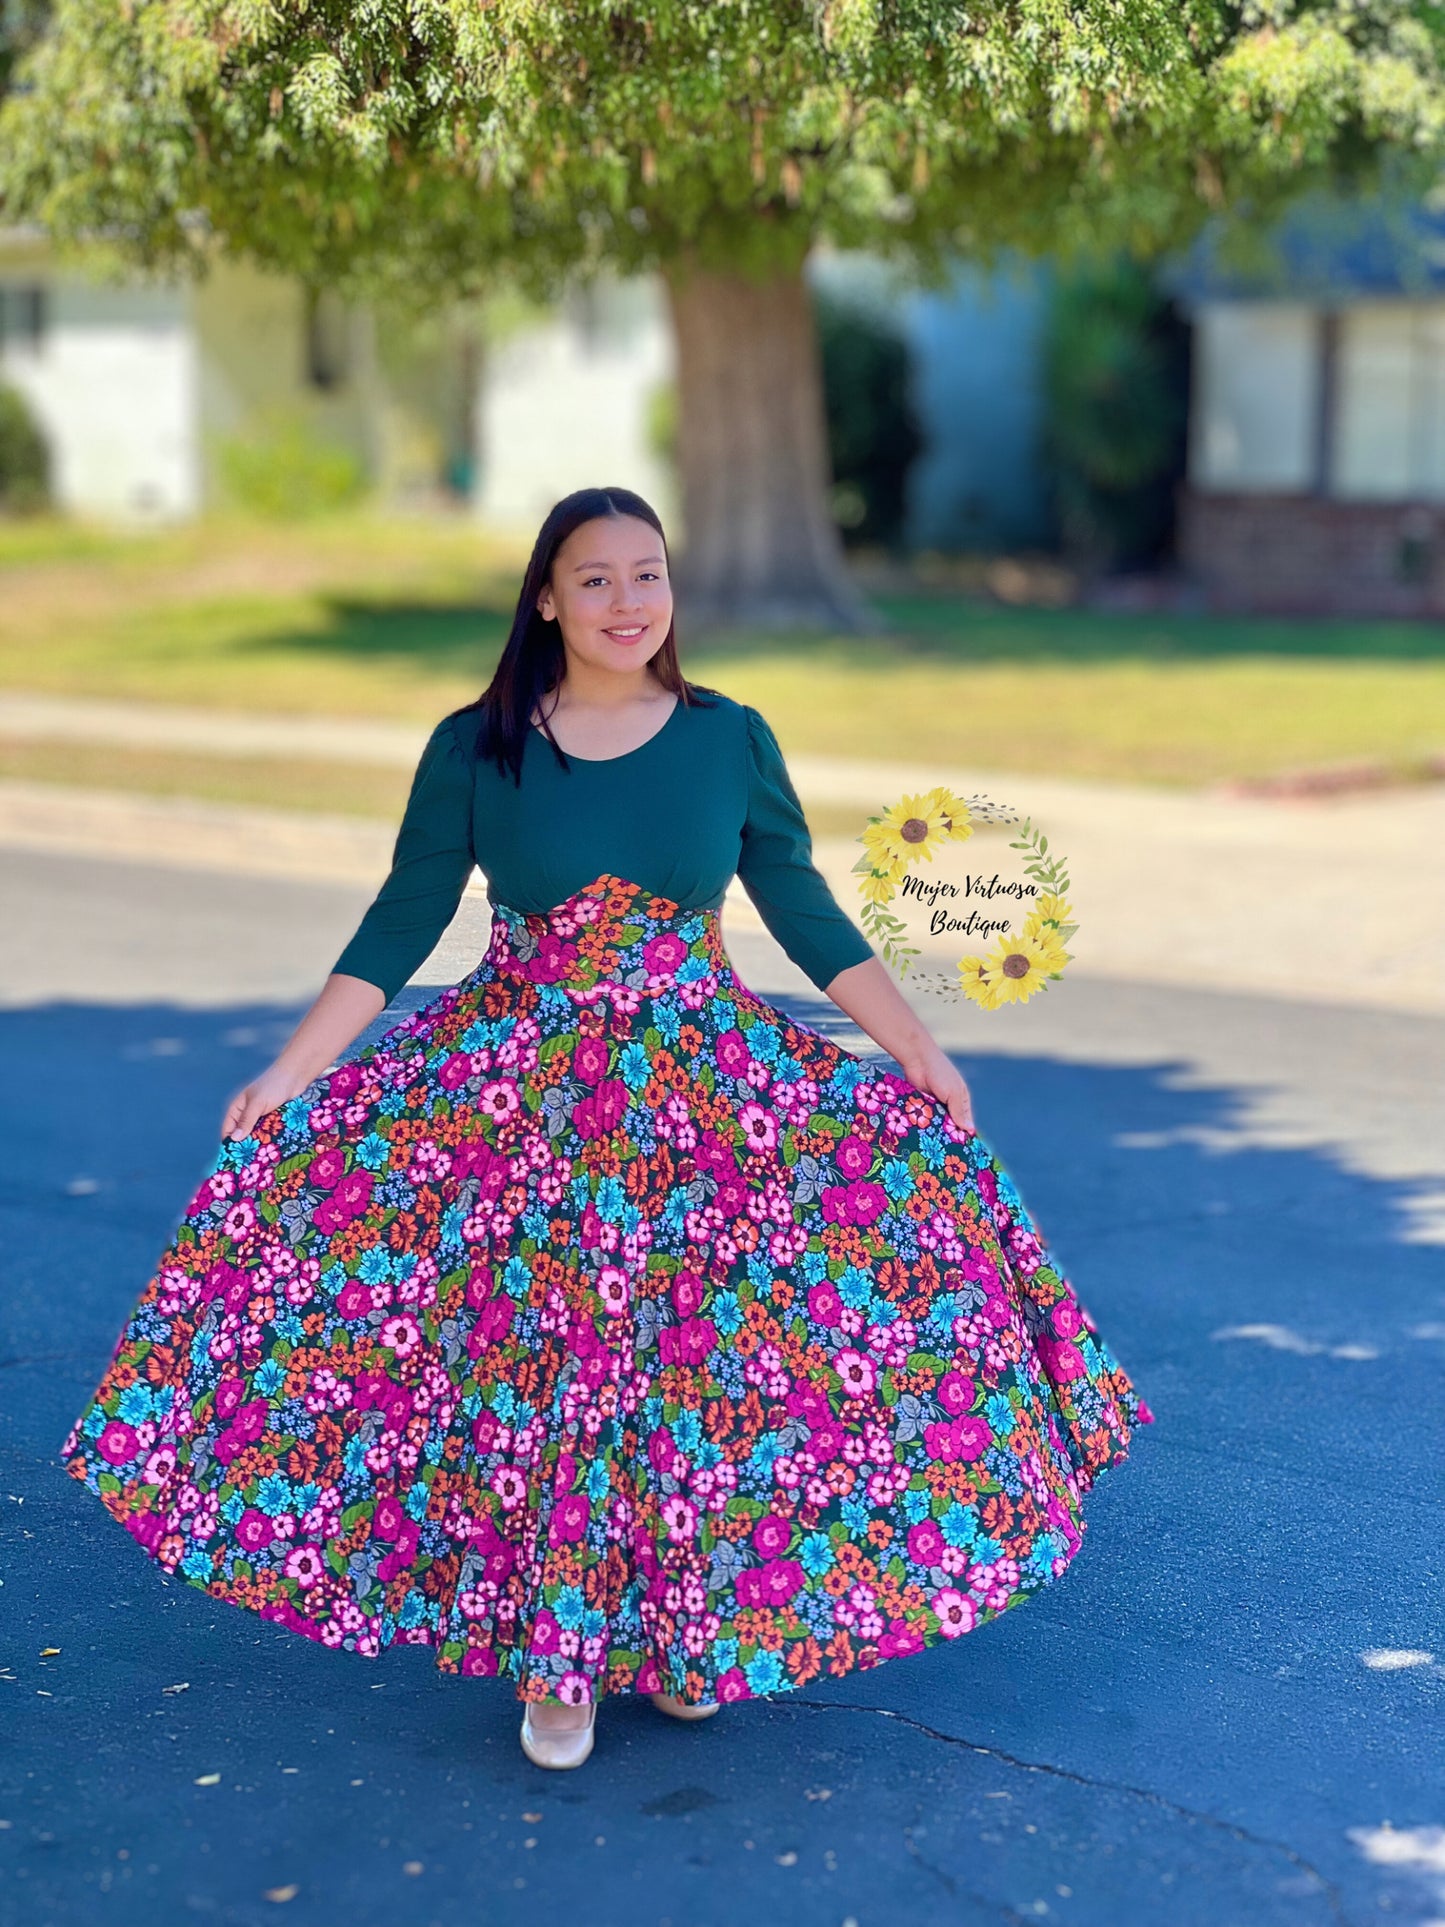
760 545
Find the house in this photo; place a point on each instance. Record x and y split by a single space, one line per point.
1316 475
144 391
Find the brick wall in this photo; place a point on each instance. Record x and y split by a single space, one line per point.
1307 555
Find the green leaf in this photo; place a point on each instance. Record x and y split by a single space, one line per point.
740 1508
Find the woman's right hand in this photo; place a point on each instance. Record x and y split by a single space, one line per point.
338 1017
268 1092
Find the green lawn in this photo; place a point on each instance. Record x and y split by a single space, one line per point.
395 618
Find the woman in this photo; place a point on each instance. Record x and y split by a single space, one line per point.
600 1326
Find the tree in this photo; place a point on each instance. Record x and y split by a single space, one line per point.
439 145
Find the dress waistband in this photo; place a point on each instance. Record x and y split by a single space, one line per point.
610 933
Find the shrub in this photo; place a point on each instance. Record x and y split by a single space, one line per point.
24 458
285 469
1116 400
873 432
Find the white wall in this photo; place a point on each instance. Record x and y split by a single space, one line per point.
112 384
563 405
250 332
1256 396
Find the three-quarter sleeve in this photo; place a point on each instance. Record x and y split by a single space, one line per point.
776 869
430 865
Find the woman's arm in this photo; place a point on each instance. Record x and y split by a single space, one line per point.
430 865
337 1018
866 993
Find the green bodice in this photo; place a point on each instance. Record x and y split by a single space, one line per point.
706 798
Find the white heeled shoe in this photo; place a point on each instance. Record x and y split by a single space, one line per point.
558 1749
678 1709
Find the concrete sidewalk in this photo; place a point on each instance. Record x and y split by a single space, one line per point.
1328 899
321 739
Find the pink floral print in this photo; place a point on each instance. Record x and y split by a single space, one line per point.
605 1329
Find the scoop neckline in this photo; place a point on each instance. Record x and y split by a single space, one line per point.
623 756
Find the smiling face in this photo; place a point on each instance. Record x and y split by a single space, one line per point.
609 593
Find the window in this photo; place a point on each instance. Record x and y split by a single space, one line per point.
1390 403
1256 397
22 316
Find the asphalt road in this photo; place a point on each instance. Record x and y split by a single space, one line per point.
1225 1713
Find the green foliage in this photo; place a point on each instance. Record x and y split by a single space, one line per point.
426 142
1116 403
24 458
284 470
873 432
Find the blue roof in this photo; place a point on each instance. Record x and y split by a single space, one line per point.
1322 250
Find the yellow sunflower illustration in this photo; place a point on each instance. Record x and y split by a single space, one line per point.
1055 955
1021 964
908 830
1046 935
958 821
1050 908
978 986
918 826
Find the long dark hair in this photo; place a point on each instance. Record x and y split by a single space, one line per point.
534 660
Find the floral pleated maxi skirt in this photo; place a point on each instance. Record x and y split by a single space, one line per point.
603 1328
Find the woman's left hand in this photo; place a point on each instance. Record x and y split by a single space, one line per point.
933 1071
866 993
